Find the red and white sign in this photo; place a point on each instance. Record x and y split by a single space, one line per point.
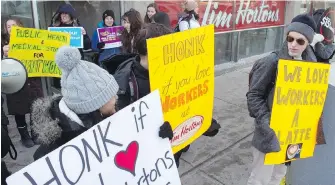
226 16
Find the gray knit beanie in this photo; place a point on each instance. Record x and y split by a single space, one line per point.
86 87
303 24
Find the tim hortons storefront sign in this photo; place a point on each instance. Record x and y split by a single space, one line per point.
226 16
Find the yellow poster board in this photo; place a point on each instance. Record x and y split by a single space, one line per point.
36 49
300 93
181 66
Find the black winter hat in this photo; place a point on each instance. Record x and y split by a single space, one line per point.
303 24
108 13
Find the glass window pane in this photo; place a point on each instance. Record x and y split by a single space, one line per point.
223 48
255 42
17 9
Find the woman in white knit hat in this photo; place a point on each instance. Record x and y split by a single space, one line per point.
89 94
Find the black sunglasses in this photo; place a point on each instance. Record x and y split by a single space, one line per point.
299 41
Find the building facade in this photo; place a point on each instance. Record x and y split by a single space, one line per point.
243 28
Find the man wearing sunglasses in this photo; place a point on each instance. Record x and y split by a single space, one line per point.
299 34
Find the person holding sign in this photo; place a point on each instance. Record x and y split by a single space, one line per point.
108 20
89 95
323 50
262 79
19 103
133 75
66 17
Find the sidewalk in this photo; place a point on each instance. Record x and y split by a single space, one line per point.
223 159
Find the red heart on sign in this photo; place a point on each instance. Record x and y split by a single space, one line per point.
126 160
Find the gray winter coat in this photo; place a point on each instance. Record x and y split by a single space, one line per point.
260 98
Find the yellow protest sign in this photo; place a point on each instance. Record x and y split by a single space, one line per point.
299 97
36 50
181 66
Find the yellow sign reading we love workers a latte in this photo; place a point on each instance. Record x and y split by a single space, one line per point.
36 49
300 93
181 66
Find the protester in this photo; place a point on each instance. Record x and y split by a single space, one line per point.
162 18
89 95
323 51
299 35
66 17
19 103
152 9
189 19
5 35
135 72
108 20
132 22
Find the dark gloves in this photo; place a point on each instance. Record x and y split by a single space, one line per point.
165 131
213 129
100 45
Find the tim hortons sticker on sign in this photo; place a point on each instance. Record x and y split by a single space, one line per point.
186 130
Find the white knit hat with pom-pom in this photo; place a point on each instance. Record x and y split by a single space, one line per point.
86 87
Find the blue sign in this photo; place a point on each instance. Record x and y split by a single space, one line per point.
75 32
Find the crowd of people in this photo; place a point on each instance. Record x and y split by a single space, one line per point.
58 119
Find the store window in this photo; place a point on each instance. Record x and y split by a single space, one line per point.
223 48
259 41
89 13
21 10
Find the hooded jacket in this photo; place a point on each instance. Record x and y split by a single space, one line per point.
260 101
55 124
105 53
56 22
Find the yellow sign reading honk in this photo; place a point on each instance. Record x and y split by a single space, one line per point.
300 93
36 49
181 66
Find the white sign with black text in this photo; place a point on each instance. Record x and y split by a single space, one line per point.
124 149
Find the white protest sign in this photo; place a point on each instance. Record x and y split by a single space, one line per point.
124 149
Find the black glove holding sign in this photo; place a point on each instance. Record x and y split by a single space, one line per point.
165 131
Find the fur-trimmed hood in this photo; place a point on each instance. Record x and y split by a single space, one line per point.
51 117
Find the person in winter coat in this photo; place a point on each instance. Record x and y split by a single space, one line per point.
299 35
162 18
108 20
89 94
323 51
135 72
65 16
152 9
19 103
132 23
189 19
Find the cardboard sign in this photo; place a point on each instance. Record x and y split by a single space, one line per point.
181 66
123 149
36 49
110 36
77 39
299 97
